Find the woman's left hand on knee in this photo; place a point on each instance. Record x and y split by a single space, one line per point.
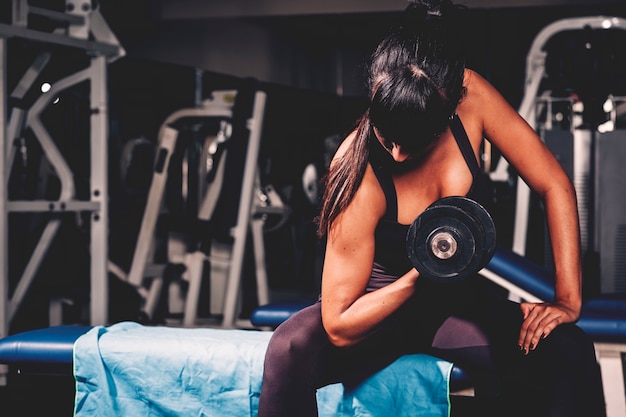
539 321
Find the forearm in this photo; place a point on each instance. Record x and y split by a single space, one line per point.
349 325
563 225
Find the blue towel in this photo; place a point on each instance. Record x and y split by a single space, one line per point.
128 369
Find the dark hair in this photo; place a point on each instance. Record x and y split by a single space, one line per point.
416 82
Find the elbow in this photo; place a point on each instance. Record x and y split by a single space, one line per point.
338 337
340 341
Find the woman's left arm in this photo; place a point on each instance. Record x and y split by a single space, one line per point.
537 166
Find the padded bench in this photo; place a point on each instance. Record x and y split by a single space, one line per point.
130 369
42 351
50 350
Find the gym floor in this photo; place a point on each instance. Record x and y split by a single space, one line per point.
37 395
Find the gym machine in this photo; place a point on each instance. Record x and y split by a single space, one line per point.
81 30
232 206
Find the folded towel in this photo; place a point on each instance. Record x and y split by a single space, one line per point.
128 369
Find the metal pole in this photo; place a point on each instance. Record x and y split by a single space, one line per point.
4 232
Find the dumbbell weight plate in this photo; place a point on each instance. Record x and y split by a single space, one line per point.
483 218
451 240
444 265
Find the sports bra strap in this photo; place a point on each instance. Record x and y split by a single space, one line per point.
386 182
462 140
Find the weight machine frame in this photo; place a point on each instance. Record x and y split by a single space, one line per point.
85 31
226 259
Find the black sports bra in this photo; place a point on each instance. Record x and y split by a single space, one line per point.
390 251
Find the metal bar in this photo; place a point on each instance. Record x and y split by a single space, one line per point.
214 189
30 75
99 192
30 206
263 294
195 264
19 13
167 143
101 31
33 265
515 292
610 360
4 240
255 124
231 9
16 120
59 16
15 126
9 31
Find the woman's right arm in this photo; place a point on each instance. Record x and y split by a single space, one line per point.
349 314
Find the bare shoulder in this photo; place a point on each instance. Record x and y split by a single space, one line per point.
368 203
474 107
471 106
370 197
478 88
484 106
345 145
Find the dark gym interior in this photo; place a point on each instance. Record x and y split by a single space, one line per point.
309 59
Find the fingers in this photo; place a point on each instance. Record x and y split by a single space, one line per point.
526 308
539 321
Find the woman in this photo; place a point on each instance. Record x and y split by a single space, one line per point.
418 142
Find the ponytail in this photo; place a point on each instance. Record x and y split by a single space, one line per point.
344 176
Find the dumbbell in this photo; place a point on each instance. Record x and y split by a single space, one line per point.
452 239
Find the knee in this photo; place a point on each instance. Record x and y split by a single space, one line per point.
287 346
294 343
570 346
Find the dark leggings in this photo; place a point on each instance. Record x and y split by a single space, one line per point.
559 378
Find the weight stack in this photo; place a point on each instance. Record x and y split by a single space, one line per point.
610 201
595 163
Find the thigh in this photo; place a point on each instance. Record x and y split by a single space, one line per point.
482 337
300 348
355 363
296 345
